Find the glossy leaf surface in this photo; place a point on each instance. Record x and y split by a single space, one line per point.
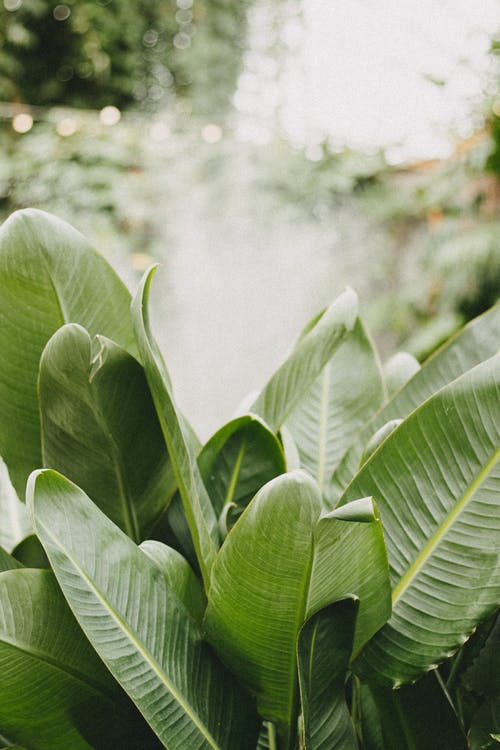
137 624
324 648
99 428
435 480
198 509
49 276
55 693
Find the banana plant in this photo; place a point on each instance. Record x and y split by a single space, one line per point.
322 574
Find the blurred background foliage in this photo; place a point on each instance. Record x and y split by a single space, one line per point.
128 119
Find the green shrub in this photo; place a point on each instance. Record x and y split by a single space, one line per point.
323 573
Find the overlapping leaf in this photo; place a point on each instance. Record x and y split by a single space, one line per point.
324 649
55 693
277 567
49 276
139 627
436 480
478 341
99 428
198 509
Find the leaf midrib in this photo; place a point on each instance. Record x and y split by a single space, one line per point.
144 652
440 532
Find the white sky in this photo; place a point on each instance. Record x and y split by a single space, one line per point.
358 72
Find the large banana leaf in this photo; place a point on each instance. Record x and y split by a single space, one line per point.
420 717
290 382
198 509
137 624
478 341
435 480
49 275
15 523
100 429
267 580
333 410
55 693
324 648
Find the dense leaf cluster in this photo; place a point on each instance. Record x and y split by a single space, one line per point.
324 573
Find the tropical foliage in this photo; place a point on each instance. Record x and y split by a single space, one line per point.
323 573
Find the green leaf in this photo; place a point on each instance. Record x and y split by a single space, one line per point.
49 276
291 381
350 542
179 576
277 566
333 410
418 716
99 428
30 553
478 341
15 522
323 652
234 464
7 562
137 624
435 480
238 460
198 509
55 693
255 574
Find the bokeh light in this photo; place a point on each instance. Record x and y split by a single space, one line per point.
22 122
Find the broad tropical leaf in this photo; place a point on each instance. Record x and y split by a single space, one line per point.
334 409
478 341
435 480
55 693
198 509
15 522
270 576
137 624
297 374
324 649
49 275
100 429
418 716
